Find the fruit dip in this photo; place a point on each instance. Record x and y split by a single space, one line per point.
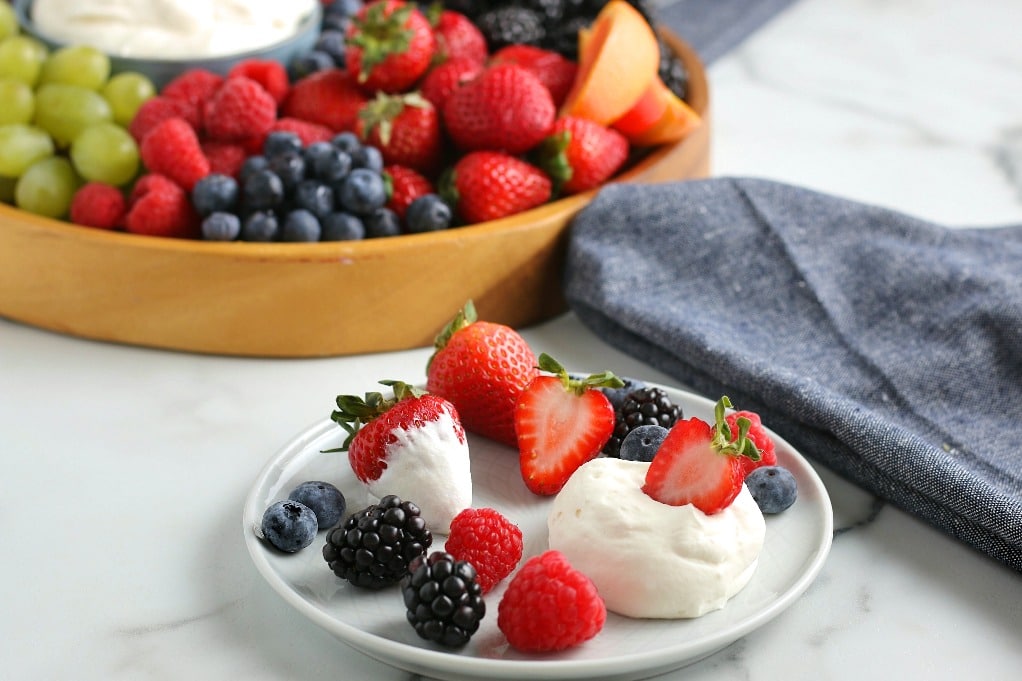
429 466
169 29
650 559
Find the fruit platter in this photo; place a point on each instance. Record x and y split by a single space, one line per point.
343 198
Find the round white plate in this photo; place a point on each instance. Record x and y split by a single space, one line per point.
797 543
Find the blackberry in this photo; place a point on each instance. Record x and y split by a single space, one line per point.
443 599
646 406
511 25
672 71
373 547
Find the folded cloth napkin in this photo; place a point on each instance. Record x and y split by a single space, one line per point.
713 27
886 347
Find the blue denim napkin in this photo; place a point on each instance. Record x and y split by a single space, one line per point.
712 27
886 347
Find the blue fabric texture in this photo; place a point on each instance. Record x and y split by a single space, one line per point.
713 27
885 347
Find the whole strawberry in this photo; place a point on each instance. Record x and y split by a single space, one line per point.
330 98
561 422
550 606
405 128
457 37
443 79
390 46
404 185
481 367
506 108
412 445
700 464
580 155
487 185
553 69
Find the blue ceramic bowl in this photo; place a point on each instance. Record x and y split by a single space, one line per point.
162 71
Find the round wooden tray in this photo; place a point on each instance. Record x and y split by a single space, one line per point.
307 300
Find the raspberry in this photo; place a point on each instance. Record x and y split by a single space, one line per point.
307 131
443 600
225 158
269 73
759 437
646 406
241 109
488 540
549 606
373 547
100 205
172 149
157 206
194 86
157 109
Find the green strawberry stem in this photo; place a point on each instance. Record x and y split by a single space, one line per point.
353 411
380 113
380 35
465 316
551 156
742 446
578 386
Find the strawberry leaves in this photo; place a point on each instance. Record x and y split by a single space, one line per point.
353 411
722 435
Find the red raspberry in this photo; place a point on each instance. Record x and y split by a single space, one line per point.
157 109
759 437
172 149
194 87
225 158
487 540
445 78
240 109
307 131
159 207
406 185
549 605
97 204
269 73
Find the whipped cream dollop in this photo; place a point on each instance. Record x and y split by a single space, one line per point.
430 467
170 29
650 559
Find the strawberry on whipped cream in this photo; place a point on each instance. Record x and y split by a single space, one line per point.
649 559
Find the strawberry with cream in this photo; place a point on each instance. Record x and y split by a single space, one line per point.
412 445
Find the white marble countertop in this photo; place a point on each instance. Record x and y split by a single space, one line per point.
125 469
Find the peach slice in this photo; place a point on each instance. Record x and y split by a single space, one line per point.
658 117
618 59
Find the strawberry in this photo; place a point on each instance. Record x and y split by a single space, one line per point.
330 98
580 154
506 108
457 37
481 367
700 464
404 186
390 46
764 443
553 69
486 185
561 422
405 128
445 78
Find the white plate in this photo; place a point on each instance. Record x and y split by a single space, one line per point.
797 543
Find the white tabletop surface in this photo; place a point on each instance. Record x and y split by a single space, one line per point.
125 469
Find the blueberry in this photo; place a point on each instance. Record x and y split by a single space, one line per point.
347 141
289 525
315 197
250 165
281 142
301 225
617 395
308 63
642 443
313 153
330 165
367 157
331 41
334 21
341 226
262 190
325 500
260 226
773 487
382 222
289 167
362 191
215 192
221 226
428 213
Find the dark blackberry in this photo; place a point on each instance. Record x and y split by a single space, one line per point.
564 38
672 71
443 599
372 548
511 25
551 11
647 406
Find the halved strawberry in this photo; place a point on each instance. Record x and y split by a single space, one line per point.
699 464
561 423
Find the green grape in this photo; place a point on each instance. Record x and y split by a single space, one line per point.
20 146
105 152
8 20
125 93
80 65
21 58
47 187
65 110
18 102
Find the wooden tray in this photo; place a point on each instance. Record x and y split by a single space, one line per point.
306 300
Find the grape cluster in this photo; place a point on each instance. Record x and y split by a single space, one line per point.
63 121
